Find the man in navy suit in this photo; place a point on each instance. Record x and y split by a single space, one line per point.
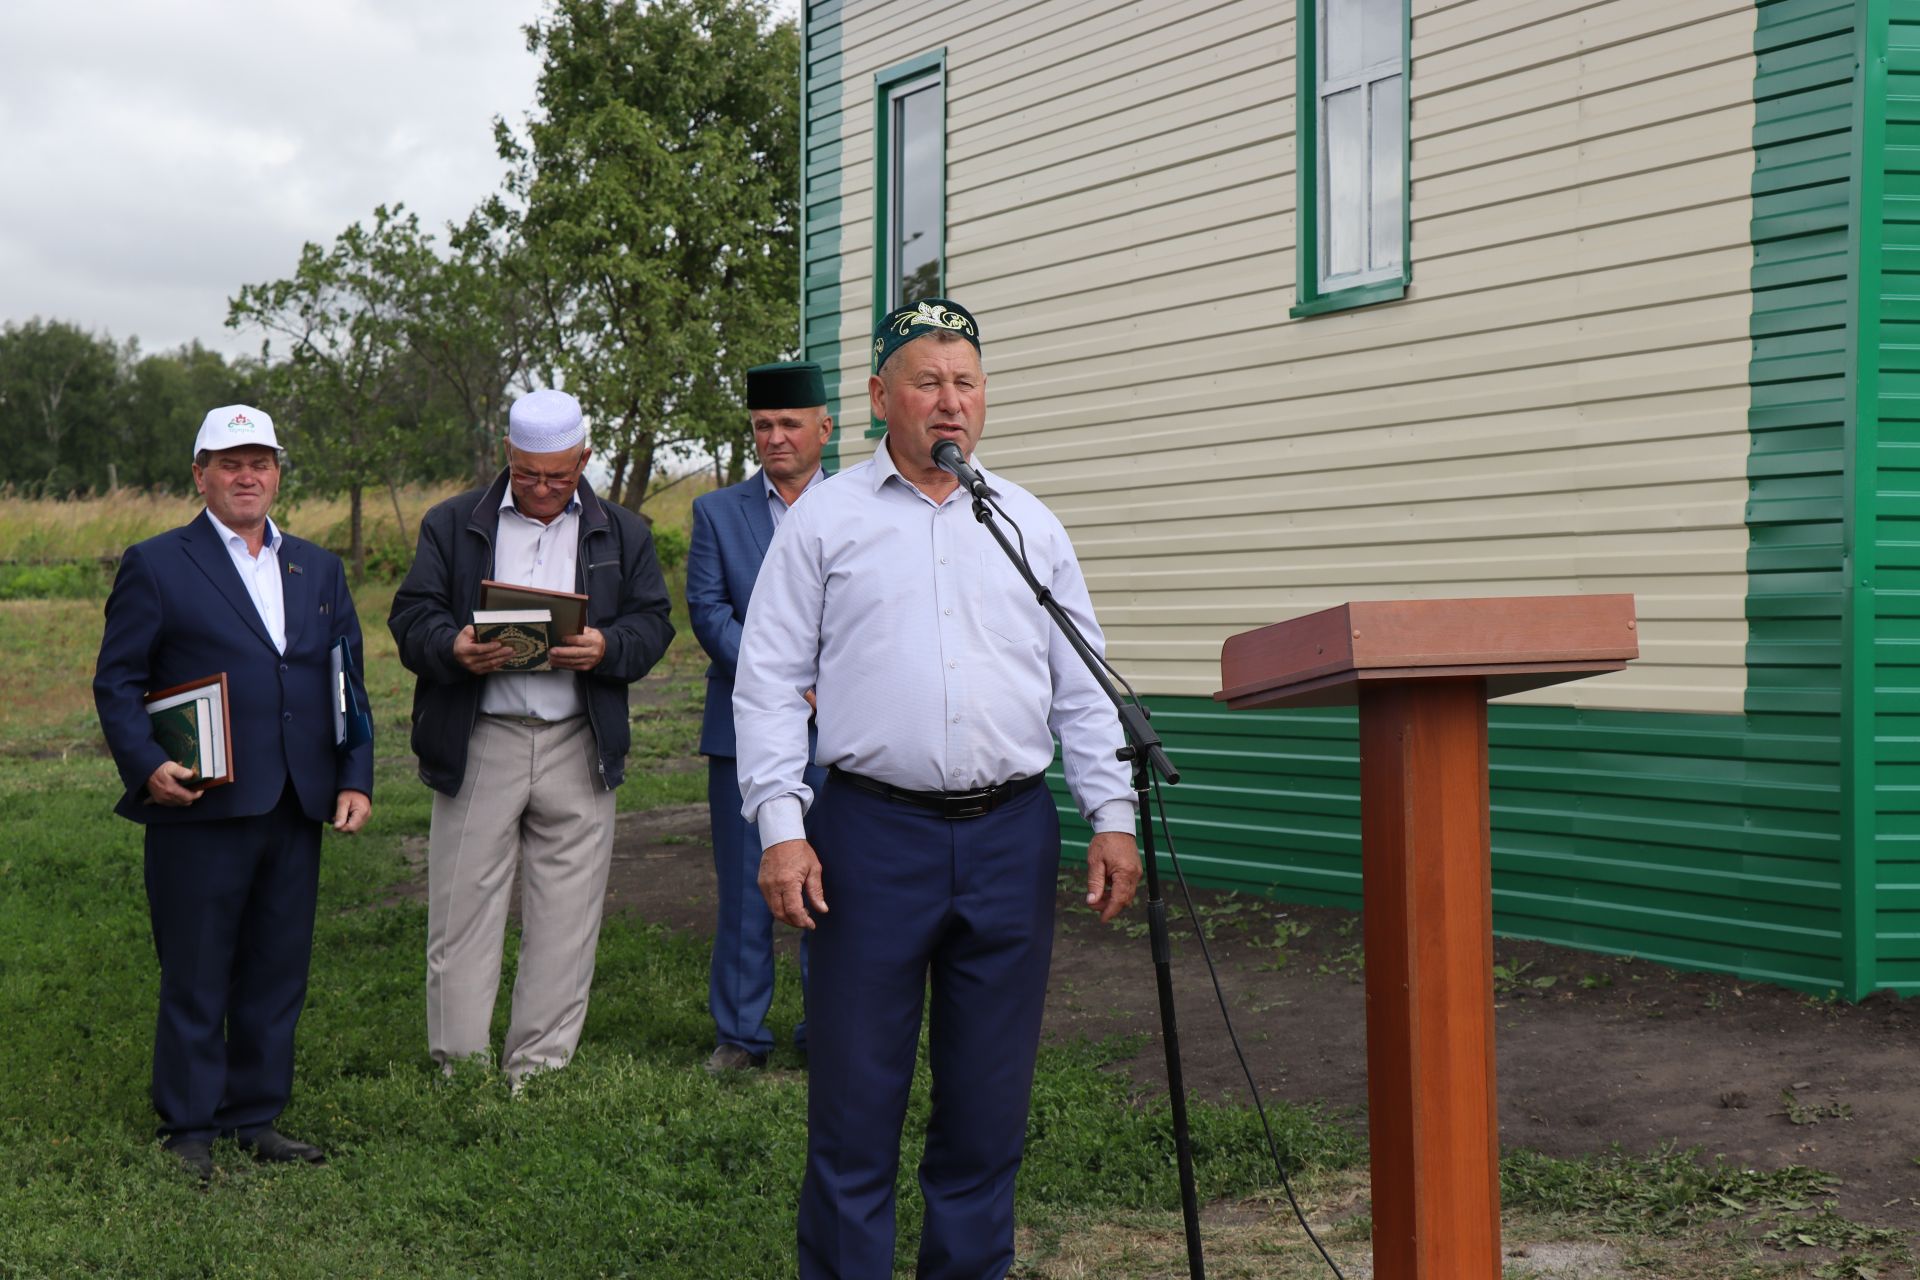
732 528
232 871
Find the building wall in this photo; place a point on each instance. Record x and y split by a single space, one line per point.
1559 406
1570 399
1886 720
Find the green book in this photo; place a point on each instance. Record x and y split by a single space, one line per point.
527 633
190 724
179 730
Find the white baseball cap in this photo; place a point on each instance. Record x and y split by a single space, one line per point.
234 425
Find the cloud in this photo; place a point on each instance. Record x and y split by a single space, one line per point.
157 156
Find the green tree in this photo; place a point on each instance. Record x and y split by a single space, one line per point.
166 395
59 403
470 324
350 397
654 198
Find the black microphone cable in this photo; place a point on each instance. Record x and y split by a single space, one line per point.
1206 952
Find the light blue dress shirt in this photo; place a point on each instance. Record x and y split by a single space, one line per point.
528 553
260 575
777 505
934 666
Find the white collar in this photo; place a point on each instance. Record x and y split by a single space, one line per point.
228 536
883 466
507 504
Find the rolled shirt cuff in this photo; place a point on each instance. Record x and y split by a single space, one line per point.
785 818
1114 815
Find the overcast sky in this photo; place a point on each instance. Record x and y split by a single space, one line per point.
155 155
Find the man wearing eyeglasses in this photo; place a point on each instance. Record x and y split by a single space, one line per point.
524 764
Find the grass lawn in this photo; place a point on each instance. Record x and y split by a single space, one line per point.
631 1162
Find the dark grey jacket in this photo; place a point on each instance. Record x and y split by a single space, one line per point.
626 601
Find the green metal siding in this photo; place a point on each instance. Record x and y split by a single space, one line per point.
822 117
1700 841
1888 459
1707 842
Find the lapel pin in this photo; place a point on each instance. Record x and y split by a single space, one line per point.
294 568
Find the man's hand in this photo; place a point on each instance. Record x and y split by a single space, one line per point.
350 810
790 877
579 653
1113 873
163 785
480 659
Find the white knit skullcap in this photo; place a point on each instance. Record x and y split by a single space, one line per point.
545 422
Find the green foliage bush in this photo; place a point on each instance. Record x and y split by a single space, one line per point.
73 580
388 558
670 544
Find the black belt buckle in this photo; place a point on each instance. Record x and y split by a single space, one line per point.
967 804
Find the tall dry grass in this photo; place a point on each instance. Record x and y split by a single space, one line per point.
104 525
100 527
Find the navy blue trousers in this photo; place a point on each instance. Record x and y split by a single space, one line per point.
967 908
232 906
740 978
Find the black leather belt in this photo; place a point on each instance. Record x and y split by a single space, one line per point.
951 805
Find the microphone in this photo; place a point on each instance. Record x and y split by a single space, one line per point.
947 456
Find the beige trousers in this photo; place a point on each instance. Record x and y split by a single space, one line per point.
532 795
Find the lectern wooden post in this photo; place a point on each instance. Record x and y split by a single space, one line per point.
1421 672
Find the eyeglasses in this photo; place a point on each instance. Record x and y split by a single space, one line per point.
544 479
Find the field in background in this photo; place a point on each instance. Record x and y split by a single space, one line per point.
65 549
50 529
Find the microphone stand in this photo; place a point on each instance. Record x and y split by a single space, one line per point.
1143 750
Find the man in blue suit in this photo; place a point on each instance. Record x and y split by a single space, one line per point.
732 528
232 870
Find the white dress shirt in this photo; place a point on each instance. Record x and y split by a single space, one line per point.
528 553
777 505
260 575
935 668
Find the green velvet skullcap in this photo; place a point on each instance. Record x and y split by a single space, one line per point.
916 320
793 384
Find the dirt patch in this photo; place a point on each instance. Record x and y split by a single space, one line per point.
1593 1049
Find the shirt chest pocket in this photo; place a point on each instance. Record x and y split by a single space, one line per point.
1004 606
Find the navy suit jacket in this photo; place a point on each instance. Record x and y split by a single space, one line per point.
178 611
731 531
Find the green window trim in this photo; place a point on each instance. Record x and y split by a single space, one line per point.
1310 299
933 63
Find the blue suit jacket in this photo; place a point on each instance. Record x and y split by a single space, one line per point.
178 611
731 531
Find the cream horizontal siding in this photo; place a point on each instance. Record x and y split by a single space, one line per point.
1559 405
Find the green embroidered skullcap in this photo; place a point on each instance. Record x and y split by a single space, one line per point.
792 384
916 320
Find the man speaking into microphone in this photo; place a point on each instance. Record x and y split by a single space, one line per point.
941 685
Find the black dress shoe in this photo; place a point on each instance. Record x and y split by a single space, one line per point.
194 1157
271 1144
732 1057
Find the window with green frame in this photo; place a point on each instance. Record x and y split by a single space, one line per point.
1352 166
909 184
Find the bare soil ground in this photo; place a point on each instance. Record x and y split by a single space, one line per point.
1593 1050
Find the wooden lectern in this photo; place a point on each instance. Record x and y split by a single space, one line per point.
1421 672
